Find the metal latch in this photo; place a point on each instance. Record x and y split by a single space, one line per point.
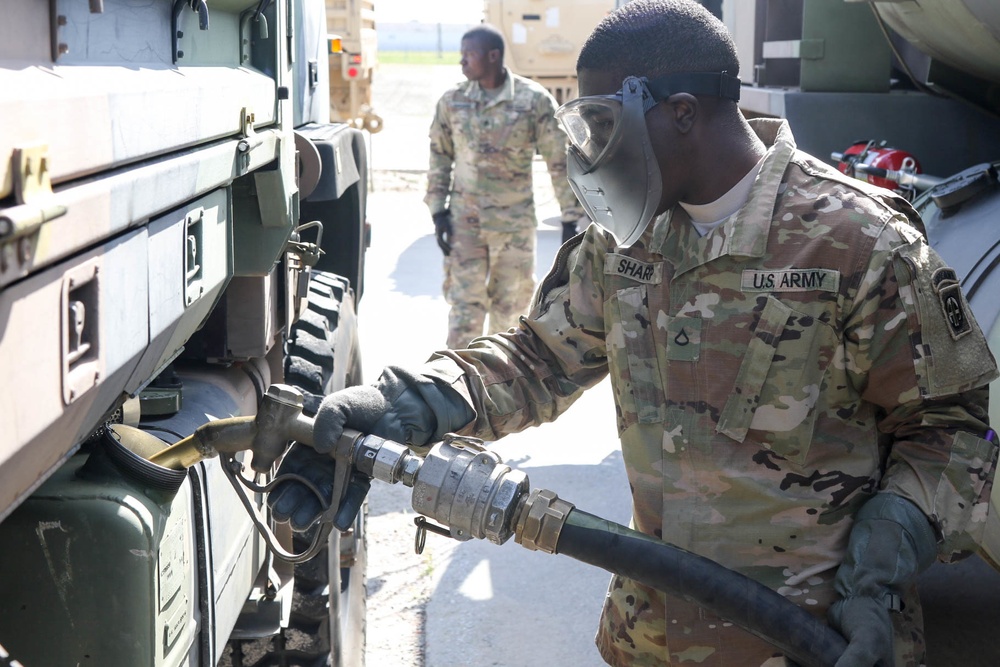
250 138
200 7
82 350
32 188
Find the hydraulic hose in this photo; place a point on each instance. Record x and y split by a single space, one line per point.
757 609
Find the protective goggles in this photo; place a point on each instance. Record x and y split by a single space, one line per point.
593 124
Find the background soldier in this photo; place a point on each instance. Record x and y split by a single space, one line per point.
801 390
479 190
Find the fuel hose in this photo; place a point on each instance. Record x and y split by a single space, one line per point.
756 608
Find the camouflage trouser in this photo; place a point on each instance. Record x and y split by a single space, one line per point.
641 627
487 272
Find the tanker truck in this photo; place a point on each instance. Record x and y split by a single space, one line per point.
181 227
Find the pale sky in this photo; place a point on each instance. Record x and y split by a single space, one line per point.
429 11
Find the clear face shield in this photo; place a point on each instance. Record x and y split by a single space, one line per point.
610 161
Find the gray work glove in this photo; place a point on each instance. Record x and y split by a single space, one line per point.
443 230
891 543
402 406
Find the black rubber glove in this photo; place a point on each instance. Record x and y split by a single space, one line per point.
890 544
402 406
443 230
293 501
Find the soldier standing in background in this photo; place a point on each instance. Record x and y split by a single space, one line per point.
479 187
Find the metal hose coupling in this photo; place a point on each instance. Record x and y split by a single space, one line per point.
540 520
469 489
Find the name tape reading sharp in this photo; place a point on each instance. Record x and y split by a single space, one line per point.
643 272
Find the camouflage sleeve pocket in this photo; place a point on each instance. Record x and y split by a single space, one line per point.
962 497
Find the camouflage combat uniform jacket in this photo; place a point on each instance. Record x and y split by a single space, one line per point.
487 145
768 378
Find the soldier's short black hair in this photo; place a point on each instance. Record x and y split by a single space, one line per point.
656 37
487 35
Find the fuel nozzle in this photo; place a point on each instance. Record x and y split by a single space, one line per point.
279 419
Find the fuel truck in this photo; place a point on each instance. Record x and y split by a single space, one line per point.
120 550
181 226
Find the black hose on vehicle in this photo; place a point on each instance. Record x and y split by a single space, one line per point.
756 608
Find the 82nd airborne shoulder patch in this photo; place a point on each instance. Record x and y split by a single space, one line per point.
949 293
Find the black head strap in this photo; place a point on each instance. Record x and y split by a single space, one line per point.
696 83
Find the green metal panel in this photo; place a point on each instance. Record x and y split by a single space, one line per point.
265 208
842 49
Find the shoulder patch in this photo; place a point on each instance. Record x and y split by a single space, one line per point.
791 280
650 273
953 354
949 294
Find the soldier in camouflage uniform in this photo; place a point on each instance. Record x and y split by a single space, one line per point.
800 387
479 190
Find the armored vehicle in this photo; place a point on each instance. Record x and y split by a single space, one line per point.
181 227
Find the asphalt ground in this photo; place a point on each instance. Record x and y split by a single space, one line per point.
469 603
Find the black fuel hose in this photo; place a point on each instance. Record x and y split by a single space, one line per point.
754 607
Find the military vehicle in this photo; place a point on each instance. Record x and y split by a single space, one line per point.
181 226
543 39
353 61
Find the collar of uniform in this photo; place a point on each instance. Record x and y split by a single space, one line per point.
477 93
745 233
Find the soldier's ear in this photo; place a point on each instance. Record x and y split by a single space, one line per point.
683 110
493 55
